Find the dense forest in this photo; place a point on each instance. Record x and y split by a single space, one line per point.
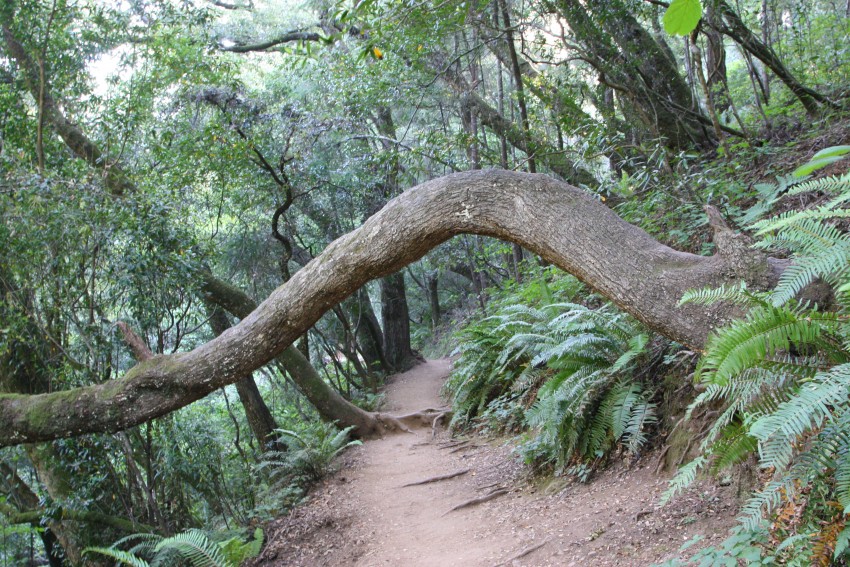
224 224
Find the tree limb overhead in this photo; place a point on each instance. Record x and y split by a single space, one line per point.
562 224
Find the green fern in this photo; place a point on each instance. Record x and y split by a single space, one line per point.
122 557
192 545
783 373
309 455
195 546
570 365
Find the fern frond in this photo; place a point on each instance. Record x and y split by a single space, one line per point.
735 445
765 501
765 332
826 264
735 294
195 546
123 557
811 405
833 185
643 415
685 476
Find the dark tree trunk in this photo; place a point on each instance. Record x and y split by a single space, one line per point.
631 61
396 318
370 339
562 224
432 281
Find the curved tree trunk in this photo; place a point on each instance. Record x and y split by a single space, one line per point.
332 407
562 224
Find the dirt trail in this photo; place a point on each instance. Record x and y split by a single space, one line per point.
365 516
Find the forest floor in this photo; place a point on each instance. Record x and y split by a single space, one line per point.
364 515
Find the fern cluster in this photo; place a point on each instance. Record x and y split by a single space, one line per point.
307 458
560 368
783 376
192 547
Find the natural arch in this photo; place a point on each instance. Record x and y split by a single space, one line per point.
562 224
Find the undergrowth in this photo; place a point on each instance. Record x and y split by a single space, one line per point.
781 376
563 369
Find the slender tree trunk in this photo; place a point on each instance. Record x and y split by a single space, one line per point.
370 338
517 78
734 27
431 281
715 62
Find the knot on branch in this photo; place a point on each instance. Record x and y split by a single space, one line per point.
736 248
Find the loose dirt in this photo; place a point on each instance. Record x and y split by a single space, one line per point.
365 515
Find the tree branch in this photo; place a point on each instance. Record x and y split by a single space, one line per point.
288 37
562 224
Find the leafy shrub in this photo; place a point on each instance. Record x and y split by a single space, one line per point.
308 457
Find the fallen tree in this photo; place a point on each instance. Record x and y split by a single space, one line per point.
562 224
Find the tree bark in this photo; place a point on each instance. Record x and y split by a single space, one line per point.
396 316
562 224
332 407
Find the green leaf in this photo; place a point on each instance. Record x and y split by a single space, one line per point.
816 164
831 151
123 557
682 16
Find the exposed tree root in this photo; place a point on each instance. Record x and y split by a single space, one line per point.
407 423
480 500
441 417
450 444
436 478
464 447
527 551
